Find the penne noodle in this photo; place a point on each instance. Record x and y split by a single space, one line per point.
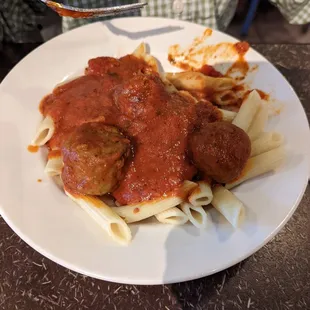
248 110
169 86
259 122
104 216
201 195
228 205
172 216
54 166
44 132
228 116
258 165
266 142
191 80
140 52
57 179
196 215
143 210
226 97
188 95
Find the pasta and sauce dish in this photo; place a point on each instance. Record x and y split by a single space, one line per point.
127 142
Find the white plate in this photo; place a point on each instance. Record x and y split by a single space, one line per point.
57 228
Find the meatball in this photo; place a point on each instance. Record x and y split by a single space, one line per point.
140 96
220 150
94 155
123 68
102 65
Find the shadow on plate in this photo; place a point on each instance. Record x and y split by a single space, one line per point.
140 34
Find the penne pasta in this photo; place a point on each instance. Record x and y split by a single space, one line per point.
201 195
104 216
196 215
266 142
44 131
226 97
228 116
140 52
258 165
54 166
228 205
188 95
57 179
172 216
259 122
191 80
248 110
143 210
169 86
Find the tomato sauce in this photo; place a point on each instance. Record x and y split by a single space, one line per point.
242 47
53 154
118 92
191 58
32 148
57 7
210 71
240 66
263 95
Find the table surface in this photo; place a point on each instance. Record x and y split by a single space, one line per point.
276 277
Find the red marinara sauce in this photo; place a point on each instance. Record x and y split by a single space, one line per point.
57 7
240 66
263 95
210 71
32 148
126 93
53 154
242 47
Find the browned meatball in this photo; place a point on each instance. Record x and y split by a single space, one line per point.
220 150
93 156
123 68
140 96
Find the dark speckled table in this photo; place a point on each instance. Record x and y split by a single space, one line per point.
276 277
